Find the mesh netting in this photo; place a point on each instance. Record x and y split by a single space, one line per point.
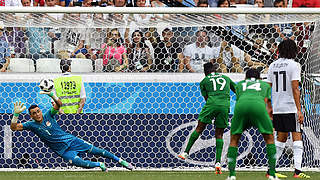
146 113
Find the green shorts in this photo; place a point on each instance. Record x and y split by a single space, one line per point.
220 113
248 114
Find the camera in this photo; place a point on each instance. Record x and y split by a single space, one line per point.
94 3
77 3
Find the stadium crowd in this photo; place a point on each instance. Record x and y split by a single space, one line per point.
136 49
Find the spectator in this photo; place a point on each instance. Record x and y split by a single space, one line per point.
168 53
279 4
105 3
73 99
285 31
188 3
53 16
38 3
114 53
241 2
71 41
304 32
39 43
120 3
140 59
4 52
141 18
231 58
259 3
70 3
15 37
27 2
202 3
197 54
213 3
87 17
267 3
94 38
223 3
50 3
157 3
13 3
306 3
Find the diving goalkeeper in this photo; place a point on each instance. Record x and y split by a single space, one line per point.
64 144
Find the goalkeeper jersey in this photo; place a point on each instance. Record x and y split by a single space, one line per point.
50 132
217 88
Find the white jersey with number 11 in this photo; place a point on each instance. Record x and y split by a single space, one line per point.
281 74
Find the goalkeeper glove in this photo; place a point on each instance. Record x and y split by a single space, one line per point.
18 108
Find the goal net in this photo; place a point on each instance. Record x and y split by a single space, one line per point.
141 69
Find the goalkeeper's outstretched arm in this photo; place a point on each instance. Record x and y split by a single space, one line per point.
18 108
57 101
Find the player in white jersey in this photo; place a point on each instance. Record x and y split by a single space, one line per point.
284 77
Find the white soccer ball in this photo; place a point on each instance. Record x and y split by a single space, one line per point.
46 85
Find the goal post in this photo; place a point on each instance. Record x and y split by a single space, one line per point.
147 117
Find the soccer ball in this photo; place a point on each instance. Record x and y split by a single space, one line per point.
46 85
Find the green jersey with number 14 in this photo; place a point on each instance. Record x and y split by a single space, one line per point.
253 89
217 87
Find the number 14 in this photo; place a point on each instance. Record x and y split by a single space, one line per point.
255 86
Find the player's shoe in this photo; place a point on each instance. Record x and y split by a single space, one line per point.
301 175
103 167
231 178
278 175
183 156
218 168
273 178
126 165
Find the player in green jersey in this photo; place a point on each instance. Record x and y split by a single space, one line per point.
252 96
215 88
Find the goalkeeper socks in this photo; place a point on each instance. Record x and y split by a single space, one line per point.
297 154
271 154
194 136
77 161
219 146
232 156
103 153
279 147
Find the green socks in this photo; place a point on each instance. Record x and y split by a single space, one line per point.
232 160
194 136
271 154
219 146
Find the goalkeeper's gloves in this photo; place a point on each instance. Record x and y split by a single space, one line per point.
50 94
18 108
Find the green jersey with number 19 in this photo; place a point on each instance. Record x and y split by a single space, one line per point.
217 87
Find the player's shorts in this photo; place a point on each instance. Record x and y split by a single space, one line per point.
248 114
219 113
76 146
286 122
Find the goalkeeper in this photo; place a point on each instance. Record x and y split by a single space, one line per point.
64 144
215 88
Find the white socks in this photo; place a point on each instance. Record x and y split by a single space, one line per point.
297 154
280 147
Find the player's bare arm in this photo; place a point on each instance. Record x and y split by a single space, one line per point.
296 96
18 108
269 107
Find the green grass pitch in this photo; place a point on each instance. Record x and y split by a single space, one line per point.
138 175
